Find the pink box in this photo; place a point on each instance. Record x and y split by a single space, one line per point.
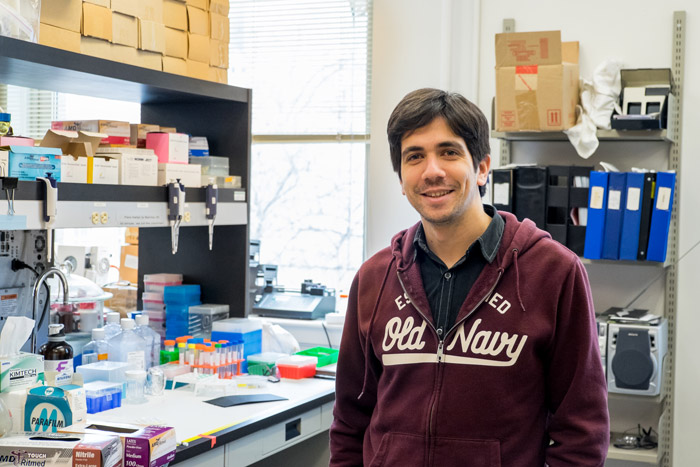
169 147
16 141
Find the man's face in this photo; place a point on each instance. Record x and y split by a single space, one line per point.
438 176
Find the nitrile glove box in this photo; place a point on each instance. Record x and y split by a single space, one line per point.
60 450
143 446
50 408
169 147
30 162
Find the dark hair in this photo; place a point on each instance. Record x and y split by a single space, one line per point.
420 107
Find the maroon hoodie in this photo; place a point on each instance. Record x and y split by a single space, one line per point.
517 381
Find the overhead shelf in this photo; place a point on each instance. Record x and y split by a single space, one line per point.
642 456
603 135
36 66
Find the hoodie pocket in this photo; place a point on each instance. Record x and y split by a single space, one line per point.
456 452
401 449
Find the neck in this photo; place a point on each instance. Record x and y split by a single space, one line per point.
451 241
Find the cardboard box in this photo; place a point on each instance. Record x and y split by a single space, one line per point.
123 298
129 264
117 132
218 75
123 54
21 371
125 30
52 36
136 166
203 4
28 163
197 21
61 450
16 141
175 65
97 22
139 132
188 174
168 129
175 43
198 48
175 15
104 3
148 59
77 148
64 14
169 147
103 170
645 99
95 47
219 27
131 236
198 70
536 82
143 446
151 10
219 7
218 53
127 7
49 408
151 36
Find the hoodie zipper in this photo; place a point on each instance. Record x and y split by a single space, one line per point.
441 342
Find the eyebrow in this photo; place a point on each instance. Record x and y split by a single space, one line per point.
442 145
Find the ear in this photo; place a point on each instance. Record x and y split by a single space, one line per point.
403 192
482 171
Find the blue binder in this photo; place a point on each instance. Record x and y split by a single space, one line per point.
613 214
597 202
661 216
632 216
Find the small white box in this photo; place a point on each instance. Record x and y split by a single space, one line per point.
169 147
189 174
74 169
136 166
103 170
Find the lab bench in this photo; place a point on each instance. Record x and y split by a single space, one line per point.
239 435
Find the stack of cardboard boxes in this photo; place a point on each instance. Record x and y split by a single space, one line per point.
186 37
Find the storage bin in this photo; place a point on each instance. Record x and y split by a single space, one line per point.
182 294
104 371
101 396
212 165
297 366
263 363
324 355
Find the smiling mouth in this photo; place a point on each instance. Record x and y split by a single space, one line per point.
437 194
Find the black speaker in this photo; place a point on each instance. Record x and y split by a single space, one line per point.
635 355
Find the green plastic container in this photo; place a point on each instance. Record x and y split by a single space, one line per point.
325 355
263 363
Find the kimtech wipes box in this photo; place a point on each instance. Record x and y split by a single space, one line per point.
536 82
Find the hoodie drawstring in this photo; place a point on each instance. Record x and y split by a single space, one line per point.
369 331
517 278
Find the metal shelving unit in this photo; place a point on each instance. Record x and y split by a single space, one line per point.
663 455
217 111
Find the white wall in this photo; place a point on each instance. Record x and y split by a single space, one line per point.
416 43
410 40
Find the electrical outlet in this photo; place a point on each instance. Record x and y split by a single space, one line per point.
187 217
95 217
104 217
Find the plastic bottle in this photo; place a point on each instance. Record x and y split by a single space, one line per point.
58 355
152 339
113 327
97 349
127 346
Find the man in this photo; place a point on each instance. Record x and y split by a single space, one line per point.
471 341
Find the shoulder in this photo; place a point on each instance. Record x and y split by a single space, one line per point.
377 263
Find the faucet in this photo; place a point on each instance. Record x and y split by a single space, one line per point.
37 287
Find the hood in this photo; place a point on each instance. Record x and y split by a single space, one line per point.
518 238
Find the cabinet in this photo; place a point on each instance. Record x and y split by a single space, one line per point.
217 111
616 283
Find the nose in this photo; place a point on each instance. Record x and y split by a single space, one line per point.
433 169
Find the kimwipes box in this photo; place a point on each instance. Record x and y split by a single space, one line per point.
60 450
536 82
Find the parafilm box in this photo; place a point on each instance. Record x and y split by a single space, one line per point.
60 450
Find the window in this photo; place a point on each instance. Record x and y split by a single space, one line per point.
307 62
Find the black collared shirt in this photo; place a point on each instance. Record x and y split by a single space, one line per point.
447 288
